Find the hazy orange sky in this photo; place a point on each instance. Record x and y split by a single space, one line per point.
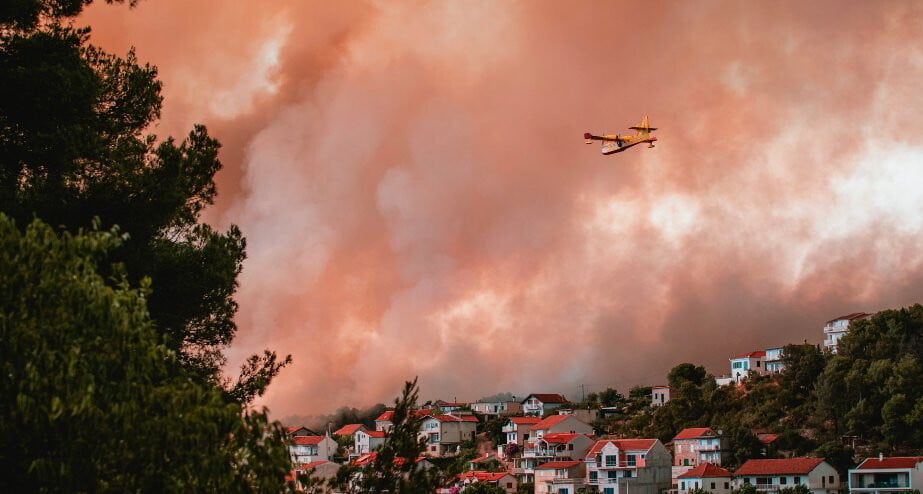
417 198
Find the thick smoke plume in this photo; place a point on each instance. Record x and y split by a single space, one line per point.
418 199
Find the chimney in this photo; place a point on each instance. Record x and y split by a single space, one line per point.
881 456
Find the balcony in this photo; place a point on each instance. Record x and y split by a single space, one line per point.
609 465
770 487
880 484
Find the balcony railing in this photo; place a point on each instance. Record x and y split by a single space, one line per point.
769 487
895 484
620 464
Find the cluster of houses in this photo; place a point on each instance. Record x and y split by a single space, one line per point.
768 361
549 444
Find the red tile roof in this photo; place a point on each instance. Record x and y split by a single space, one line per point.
547 398
783 466
455 418
386 415
622 444
525 420
756 354
552 465
560 437
851 316
695 433
890 462
482 476
348 429
550 421
767 438
705 471
303 440
379 434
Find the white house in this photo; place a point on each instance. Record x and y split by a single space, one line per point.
773 360
365 441
660 395
742 364
882 475
836 328
560 477
444 433
541 403
771 476
494 408
711 478
517 431
384 421
623 466
307 449
697 445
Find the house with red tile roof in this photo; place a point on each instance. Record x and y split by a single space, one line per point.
307 449
697 445
444 433
365 441
623 466
836 328
542 403
348 429
712 478
504 480
741 365
553 446
320 469
495 408
299 430
887 474
517 430
560 477
385 422
773 475
560 423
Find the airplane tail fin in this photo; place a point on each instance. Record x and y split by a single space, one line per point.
644 128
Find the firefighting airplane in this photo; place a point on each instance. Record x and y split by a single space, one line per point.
614 143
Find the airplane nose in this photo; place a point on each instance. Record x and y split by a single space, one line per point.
587 135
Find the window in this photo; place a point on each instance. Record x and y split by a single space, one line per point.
609 490
757 363
632 459
570 447
727 485
628 473
797 480
562 490
712 486
611 460
612 474
783 480
434 438
509 485
594 475
682 485
830 479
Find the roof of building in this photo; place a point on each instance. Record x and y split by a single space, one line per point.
444 404
550 421
348 429
756 354
766 438
553 465
623 444
890 462
307 432
386 415
454 418
378 434
525 420
781 466
695 433
560 437
547 398
850 317
482 476
303 440
370 457
660 387
705 471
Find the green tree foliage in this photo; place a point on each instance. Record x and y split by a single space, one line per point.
395 468
91 400
73 148
872 387
795 489
745 488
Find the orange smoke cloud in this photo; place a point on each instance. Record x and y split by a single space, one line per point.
418 201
